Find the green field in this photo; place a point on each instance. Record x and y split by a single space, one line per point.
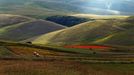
22 50
18 59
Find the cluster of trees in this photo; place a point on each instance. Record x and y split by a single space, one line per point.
67 20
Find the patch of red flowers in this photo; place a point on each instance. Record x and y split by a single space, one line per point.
87 47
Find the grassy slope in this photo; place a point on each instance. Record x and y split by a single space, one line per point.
123 38
84 33
91 32
7 19
94 16
16 29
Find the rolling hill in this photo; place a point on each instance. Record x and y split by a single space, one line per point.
113 32
17 28
7 19
122 38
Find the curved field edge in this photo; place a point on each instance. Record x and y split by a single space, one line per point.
25 51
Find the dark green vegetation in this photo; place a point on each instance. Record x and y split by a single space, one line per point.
67 20
103 32
18 28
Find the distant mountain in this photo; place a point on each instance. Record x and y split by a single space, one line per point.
44 8
113 32
33 8
17 28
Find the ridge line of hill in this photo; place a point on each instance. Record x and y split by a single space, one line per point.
13 26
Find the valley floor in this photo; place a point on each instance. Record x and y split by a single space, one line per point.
21 67
18 59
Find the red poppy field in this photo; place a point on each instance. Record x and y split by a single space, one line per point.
87 47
